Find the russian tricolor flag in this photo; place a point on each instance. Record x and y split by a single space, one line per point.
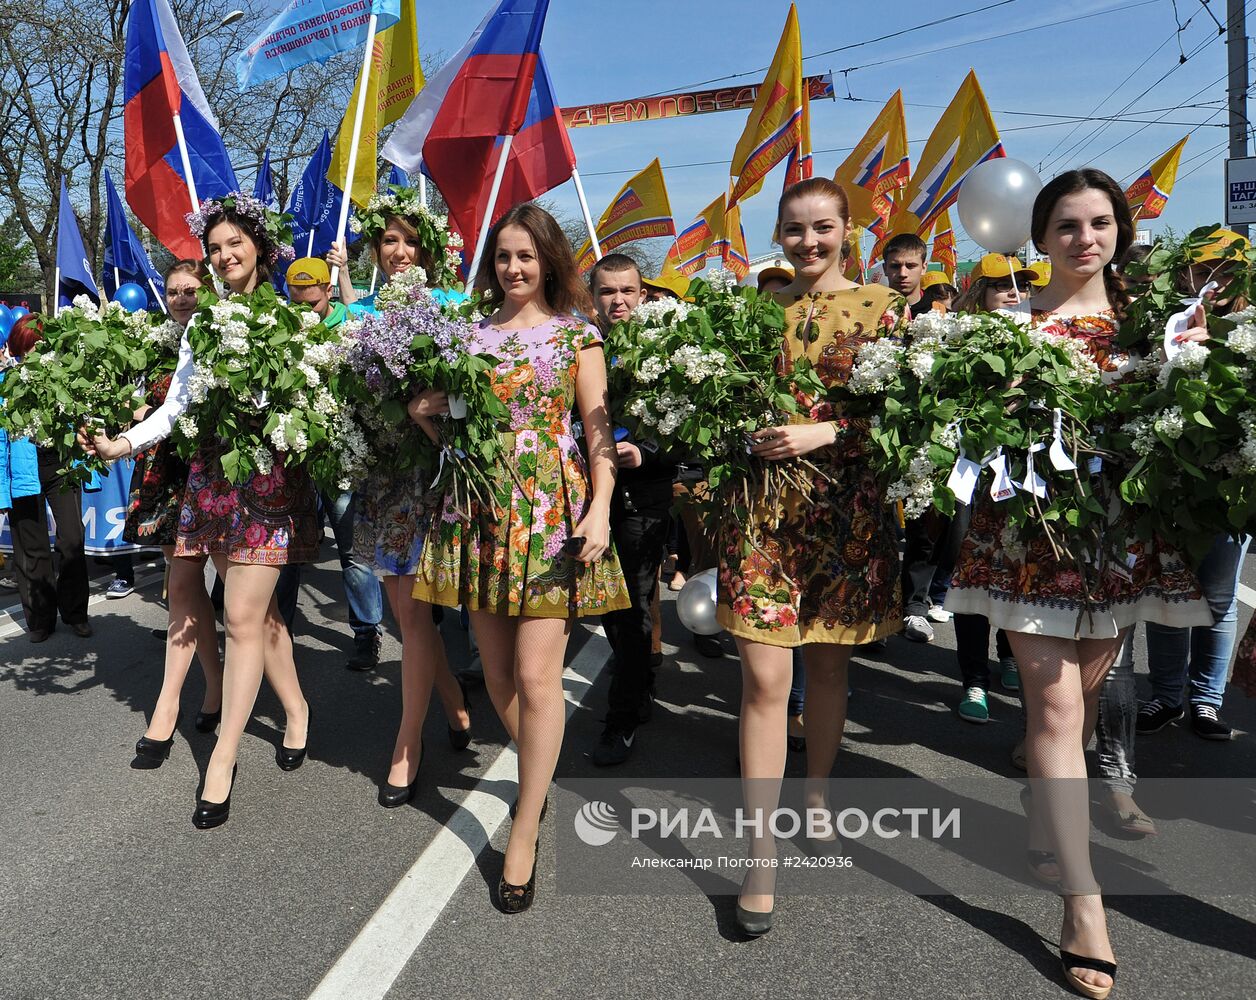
497 85
159 84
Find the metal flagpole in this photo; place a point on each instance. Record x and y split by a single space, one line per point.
365 79
588 219
485 226
422 186
187 162
157 295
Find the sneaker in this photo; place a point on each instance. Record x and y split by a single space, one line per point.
613 747
119 588
8 583
1207 723
917 629
939 614
1009 674
1154 715
366 656
973 708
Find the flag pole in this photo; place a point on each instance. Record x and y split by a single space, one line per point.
422 185
374 278
309 247
157 295
588 219
187 162
56 289
485 226
364 79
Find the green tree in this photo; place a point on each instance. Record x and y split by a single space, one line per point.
19 270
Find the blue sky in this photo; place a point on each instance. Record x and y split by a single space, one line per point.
599 51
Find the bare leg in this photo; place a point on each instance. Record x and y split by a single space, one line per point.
281 673
766 673
824 715
422 656
248 594
192 630
540 648
496 635
1062 678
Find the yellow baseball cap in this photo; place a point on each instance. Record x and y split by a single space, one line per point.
1219 240
932 278
307 271
774 271
1040 273
997 265
669 281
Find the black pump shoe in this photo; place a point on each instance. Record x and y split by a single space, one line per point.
207 722
460 739
753 923
151 754
517 898
211 814
289 759
392 796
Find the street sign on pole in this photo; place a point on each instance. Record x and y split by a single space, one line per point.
1240 191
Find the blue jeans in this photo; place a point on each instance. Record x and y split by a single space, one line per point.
798 685
363 593
1200 654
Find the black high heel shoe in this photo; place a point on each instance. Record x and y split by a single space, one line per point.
211 814
753 923
289 759
392 796
151 754
207 722
517 898
460 739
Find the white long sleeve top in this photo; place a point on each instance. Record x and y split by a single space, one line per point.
158 425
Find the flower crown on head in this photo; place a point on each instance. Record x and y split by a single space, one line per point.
435 236
277 226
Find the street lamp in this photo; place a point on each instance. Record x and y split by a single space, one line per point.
231 18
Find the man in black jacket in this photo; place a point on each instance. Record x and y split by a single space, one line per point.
640 515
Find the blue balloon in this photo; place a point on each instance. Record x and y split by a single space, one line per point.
6 321
131 296
17 312
621 433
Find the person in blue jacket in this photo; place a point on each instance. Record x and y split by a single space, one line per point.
29 477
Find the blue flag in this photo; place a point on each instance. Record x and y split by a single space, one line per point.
126 260
73 267
308 31
398 176
264 186
315 205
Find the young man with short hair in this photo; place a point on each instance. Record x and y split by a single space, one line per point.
903 261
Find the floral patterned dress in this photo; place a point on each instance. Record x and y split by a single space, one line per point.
1019 585
510 561
152 516
271 520
829 570
390 520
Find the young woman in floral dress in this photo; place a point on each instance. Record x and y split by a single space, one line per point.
391 513
827 577
1064 639
542 557
250 531
153 519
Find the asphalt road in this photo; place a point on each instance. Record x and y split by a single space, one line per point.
107 890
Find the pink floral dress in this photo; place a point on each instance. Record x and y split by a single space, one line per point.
828 572
510 560
1019 585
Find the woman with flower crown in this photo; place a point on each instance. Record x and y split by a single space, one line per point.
251 531
412 247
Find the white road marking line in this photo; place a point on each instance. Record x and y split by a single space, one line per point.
384 946
1247 595
13 622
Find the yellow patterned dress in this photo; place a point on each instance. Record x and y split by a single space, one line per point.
829 571
510 561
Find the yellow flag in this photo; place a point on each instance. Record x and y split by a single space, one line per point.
774 128
395 78
731 244
640 211
1148 195
877 166
964 136
944 249
698 240
854 267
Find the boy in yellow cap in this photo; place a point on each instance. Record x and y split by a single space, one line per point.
309 284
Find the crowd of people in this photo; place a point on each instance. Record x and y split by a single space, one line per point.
841 571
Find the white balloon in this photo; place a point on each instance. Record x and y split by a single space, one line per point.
996 202
695 604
